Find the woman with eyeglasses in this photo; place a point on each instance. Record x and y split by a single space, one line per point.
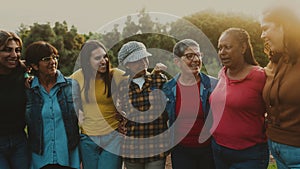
14 152
188 106
53 102
239 139
99 144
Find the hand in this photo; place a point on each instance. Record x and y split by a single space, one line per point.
80 117
159 67
121 117
28 81
122 126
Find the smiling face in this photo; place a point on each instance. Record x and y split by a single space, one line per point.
191 61
99 60
230 51
9 56
273 36
47 68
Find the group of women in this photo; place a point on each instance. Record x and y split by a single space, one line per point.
254 110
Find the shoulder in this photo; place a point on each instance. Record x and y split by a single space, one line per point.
117 71
258 72
70 80
208 81
77 74
172 82
118 75
168 87
258 69
211 78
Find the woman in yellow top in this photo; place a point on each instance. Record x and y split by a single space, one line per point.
99 142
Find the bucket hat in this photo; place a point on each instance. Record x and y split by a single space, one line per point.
132 51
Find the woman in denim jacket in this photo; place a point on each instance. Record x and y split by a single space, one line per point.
51 111
188 106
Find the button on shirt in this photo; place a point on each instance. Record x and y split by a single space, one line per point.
55 138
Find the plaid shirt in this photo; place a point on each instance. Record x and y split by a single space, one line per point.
146 119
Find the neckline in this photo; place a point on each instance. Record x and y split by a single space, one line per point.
242 79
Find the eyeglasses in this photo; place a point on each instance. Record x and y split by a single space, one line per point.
191 56
9 50
47 59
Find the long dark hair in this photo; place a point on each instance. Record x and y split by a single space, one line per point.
88 72
290 22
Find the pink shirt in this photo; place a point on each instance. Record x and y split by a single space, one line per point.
238 110
188 102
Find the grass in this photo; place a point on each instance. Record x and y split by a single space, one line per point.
272 166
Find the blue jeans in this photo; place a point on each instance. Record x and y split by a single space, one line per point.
14 153
192 157
286 156
253 157
158 164
98 153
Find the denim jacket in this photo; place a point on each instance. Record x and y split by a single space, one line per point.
69 102
207 84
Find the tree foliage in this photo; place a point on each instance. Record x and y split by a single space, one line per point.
67 41
213 24
158 37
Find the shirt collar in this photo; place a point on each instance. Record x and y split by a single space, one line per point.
59 79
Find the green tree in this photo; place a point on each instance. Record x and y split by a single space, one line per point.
204 27
130 29
67 41
40 32
213 24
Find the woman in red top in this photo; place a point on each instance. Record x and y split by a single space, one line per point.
239 139
188 106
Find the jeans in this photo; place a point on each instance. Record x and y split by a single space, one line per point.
14 153
253 157
98 153
286 156
192 157
159 164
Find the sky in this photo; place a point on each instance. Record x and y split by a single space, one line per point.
90 15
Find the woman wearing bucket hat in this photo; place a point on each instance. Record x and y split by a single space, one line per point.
142 104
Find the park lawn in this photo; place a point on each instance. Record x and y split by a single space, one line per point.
272 165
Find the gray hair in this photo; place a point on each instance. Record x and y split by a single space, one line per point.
182 45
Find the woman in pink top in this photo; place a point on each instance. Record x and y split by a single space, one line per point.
239 139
